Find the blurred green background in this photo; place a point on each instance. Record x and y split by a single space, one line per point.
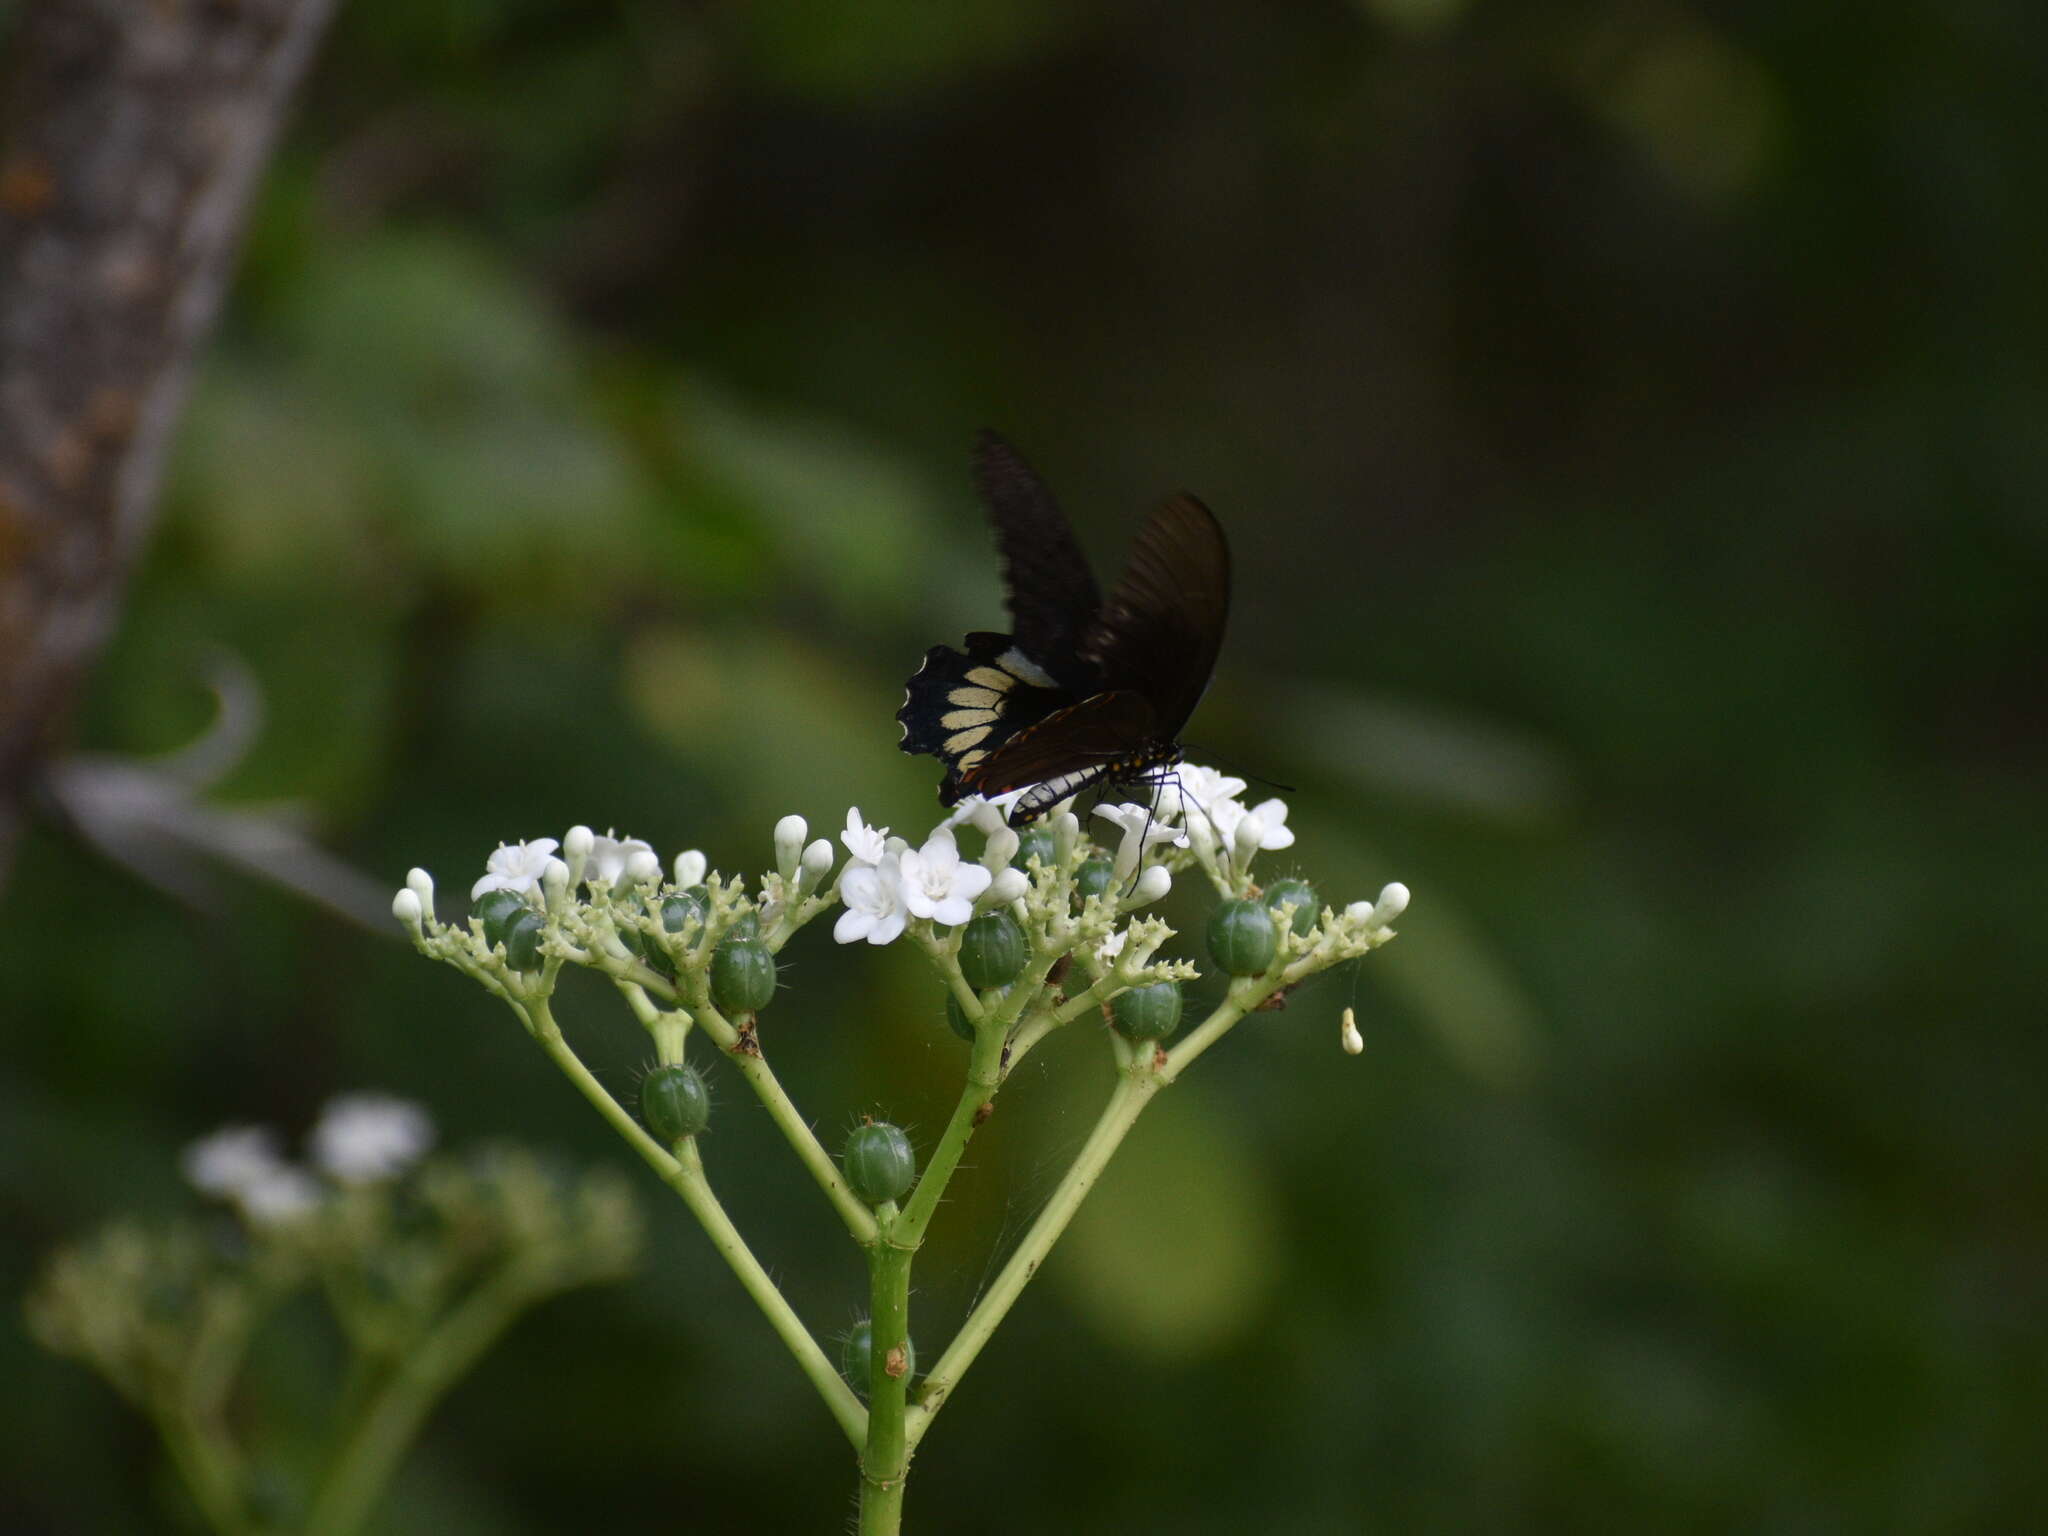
1630 423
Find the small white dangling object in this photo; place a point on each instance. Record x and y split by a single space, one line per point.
1354 1042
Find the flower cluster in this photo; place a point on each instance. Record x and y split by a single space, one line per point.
690 946
360 1138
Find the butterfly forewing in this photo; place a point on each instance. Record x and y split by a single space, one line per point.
1162 627
1052 592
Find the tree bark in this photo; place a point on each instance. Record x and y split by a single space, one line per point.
132 136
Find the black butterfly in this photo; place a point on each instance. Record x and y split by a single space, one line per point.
1085 692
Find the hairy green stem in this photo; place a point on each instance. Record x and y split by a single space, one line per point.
683 1172
885 1459
984 1077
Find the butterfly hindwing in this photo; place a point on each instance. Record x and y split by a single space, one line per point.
963 707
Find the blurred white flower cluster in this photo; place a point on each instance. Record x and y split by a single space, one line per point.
360 1138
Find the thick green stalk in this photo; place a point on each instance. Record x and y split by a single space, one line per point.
885 1459
984 1076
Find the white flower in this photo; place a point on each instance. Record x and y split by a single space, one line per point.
1141 830
231 1159
608 856
517 867
365 1137
986 812
873 894
937 885
1271 824
866 844
1205 786
281 1194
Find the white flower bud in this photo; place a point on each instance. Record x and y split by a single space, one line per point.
642 867
1251 832
1152 885
405 906
1392 903
1358 912
790 833
817 863
1202 837
690 867
1002 847
576 844
1009 885
1354 1042
554 881
1066 835
421 884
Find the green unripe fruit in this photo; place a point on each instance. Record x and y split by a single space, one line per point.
522 940
1035 843
1241 937
878 1162
746 926
495 909
1093 878
1147 1013
742 975
991 950
957 1020
674 1102
856 1360
678 912
1302 896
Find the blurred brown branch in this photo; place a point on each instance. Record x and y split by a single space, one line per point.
132 137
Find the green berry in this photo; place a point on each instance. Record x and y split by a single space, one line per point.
522 940
742 975
878 1162
1093 878
991 950
957 1020
495 909
1035 843
747 925
856 1359
1147 1013
1241 937
678 912
1302 896
674 1102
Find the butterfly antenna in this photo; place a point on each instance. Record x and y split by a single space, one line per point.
1256 778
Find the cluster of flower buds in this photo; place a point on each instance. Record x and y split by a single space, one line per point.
691 946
